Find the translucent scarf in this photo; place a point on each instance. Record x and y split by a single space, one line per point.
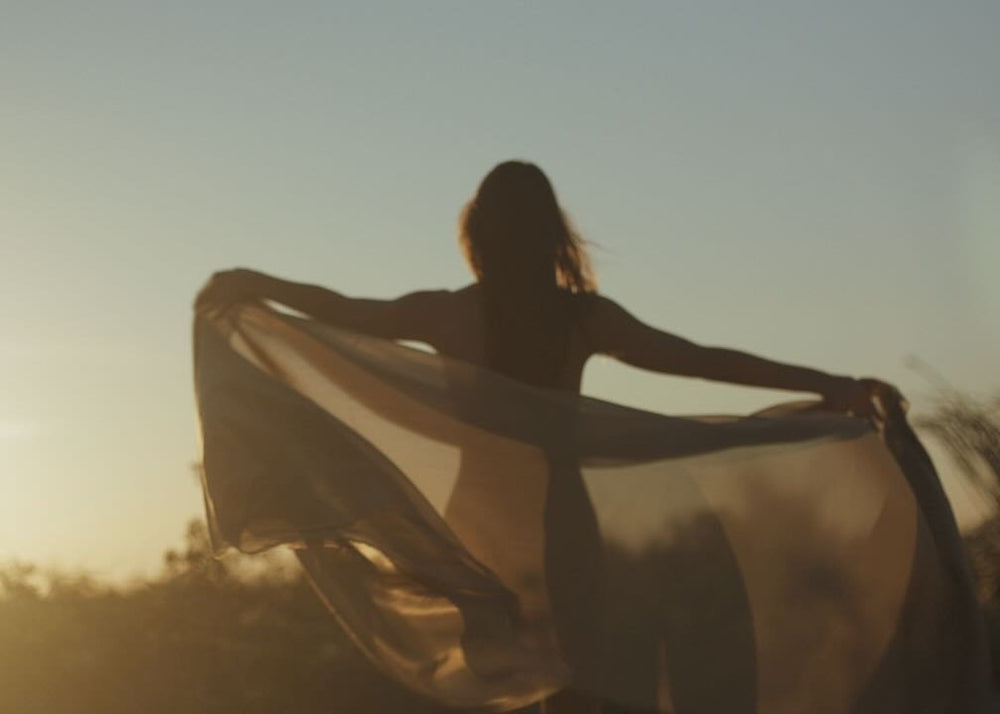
487 543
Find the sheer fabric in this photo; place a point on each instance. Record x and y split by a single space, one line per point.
788 561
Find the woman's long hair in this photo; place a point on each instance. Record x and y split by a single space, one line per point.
530 263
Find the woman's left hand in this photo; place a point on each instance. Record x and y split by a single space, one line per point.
228 288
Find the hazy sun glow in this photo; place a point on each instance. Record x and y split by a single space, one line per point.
17 430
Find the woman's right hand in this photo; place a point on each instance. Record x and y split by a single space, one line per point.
860 397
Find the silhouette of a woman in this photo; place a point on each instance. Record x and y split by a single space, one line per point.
533 314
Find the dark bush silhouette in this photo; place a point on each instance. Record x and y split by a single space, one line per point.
213 636
970 430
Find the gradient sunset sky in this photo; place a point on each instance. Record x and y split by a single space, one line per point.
813 182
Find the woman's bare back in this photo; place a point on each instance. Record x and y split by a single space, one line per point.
459 325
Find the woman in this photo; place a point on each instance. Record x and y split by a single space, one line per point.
533 314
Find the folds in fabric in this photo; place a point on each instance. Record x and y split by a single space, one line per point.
487 543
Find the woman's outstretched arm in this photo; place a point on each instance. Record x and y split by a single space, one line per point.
410 317
615 332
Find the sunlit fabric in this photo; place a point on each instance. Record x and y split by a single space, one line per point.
487 543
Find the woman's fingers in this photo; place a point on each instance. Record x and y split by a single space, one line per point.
868 398
205 298
856 396
228 288
883 395
221 291
858 400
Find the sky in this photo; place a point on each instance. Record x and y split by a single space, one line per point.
814 182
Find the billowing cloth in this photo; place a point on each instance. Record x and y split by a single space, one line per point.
487 543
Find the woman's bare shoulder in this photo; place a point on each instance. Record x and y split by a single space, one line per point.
598 308
606 324
461 299
428 298
437 305
465 292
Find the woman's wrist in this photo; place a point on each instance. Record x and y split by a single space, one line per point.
837 385
261 285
